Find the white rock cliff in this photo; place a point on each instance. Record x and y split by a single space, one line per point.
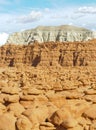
51 33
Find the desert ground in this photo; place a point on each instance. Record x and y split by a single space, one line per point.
50 86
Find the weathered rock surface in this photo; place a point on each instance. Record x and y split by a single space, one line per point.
50 54
51 33
54 94
23 123
7 121
48 108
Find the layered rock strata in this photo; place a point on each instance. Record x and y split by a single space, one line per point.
51 33
50 54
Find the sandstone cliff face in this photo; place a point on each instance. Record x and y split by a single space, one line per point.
47 34
50 54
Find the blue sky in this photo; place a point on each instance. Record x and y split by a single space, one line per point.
19 15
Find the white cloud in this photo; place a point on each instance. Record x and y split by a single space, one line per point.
58 16
47 10
32 17
3 38
87 10
70 24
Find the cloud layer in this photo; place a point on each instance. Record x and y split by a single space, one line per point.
87 10
28 18
32 17
3 38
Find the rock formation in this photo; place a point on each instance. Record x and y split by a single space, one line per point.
49 54
48 98
48 86
51 33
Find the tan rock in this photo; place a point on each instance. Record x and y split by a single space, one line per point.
78 127
51 109
23 123
69 123
94 124
72 94
26 104
27 97
34 91
7 122
42 99
57 99
2 109
3 83
60 116
91 112
10 90
2 96
86 127
60 128
57 86
90 98
83 121
77 107
11 98
37 115
90 92
17 108
47 126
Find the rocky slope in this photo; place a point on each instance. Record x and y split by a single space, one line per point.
49 86
48 98
51 33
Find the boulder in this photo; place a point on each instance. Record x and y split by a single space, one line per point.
77 107
16 108
7 122
37 115
34 91
23 123
47 126
69 123
78 127
56 99
60 116
10 90
91 112
11 98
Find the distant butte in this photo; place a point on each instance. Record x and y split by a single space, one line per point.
64 33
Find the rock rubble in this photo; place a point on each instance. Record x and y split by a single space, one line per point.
39 99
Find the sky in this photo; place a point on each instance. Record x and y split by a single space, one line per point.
19 15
